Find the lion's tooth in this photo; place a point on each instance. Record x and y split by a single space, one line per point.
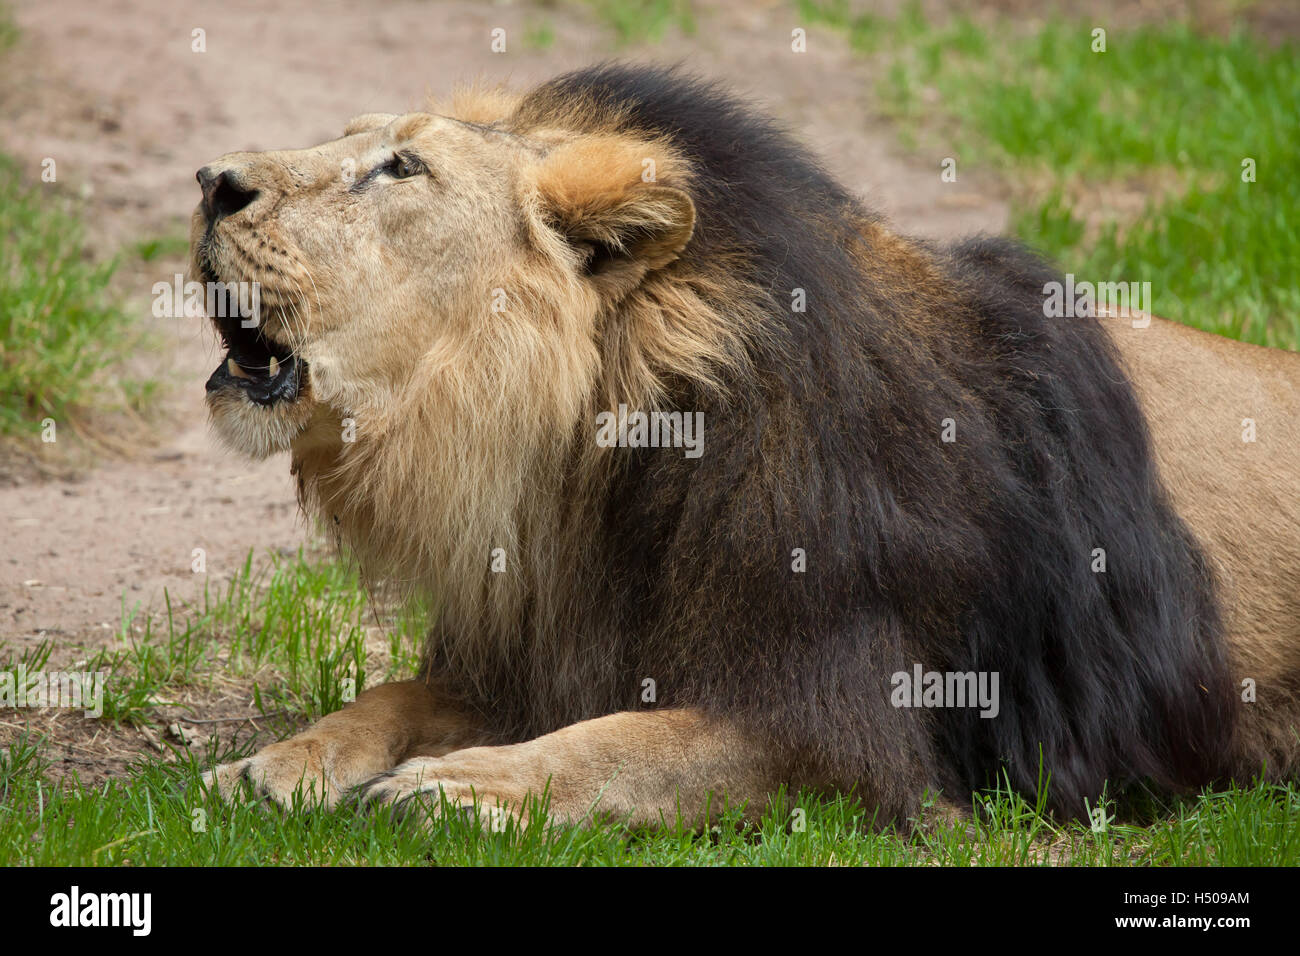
233 367
274 368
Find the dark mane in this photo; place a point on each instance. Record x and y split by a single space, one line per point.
973 555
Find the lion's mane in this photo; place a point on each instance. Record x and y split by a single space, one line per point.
822 433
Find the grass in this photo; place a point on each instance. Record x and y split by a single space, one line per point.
61 328
293 627
292 632
538 35
1164 113
8 29
160 815
160 247
642 21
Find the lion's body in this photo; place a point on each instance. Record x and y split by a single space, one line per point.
905 463
1241 498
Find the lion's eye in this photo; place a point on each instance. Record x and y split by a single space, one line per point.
403 166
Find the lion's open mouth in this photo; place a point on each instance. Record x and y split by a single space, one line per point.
267 371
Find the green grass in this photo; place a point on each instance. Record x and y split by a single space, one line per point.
160 815
147 250
61 328
538 34
642 21
1164 112
294 627
293 630
8 30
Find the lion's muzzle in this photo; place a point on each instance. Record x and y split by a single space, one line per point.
279 380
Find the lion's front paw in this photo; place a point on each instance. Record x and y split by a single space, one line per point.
292 770
425 788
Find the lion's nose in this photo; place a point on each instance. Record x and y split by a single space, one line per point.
223 192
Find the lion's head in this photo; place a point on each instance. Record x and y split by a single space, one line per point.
427 251
447 299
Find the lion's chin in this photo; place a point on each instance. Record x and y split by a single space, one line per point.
255 429
260 396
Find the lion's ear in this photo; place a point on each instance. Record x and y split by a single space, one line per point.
621 226
367 121
623 243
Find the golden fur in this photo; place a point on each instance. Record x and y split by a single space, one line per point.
1239 497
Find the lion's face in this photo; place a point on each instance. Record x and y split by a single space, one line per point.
418 252
381 237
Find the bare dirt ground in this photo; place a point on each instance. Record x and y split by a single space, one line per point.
114 91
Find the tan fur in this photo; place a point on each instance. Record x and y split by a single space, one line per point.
1240 499
467 415
384 727
598 770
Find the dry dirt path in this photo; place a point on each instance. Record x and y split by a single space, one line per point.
114 92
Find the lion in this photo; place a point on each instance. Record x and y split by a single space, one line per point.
903 467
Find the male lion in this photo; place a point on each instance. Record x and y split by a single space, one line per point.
906 468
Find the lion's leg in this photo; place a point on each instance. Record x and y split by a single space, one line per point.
642 767
382 727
